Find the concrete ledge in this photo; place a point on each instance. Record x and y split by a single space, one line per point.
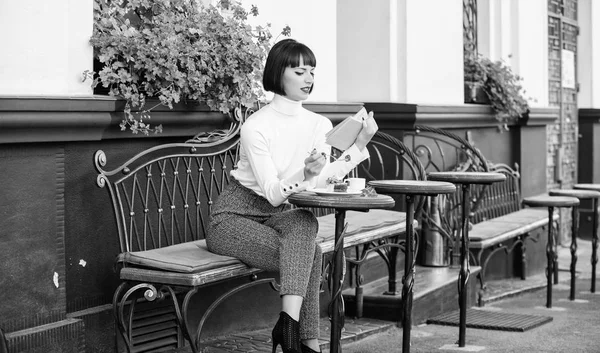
405 116
93 118
64 336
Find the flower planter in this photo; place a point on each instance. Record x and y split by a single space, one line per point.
474 93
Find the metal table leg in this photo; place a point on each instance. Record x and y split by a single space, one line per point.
337 301
409 275
594 245
550 259
573 248
463 276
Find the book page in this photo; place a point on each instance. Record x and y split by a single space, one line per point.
343 135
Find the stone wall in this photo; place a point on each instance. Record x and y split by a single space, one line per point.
563 135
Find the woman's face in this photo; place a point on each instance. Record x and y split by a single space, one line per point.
297 81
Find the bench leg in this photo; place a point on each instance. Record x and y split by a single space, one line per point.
389 253
477 255
127 295
355 268
523 258
392 280
476 259
358 291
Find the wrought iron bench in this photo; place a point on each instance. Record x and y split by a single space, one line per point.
499 221
162 198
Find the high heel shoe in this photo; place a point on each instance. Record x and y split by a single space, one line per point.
307 349
287 334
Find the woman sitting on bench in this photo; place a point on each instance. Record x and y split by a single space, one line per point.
283 151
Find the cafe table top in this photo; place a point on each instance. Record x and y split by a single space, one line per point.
467 177
343 201
416 187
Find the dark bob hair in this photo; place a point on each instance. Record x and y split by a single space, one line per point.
285 53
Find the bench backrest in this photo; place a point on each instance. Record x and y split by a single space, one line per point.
163 195
500 198
442 150
391 159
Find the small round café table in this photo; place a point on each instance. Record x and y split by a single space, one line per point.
550 202
593 187
411 189
581 194
341 203
465 179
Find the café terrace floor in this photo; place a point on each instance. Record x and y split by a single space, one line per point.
573 328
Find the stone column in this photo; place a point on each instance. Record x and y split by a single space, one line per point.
517 32
588 58
45 47
400 51
588 76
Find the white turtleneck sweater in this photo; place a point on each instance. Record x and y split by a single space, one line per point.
276 140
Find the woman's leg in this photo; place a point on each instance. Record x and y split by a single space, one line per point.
300 264
309 313
284 243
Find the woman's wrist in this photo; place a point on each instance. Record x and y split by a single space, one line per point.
360 145
308 177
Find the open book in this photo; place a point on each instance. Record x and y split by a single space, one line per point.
343 135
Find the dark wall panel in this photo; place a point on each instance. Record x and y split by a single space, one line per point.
531 151
32 279
496 145
91 235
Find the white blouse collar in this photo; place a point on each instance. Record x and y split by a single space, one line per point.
285 106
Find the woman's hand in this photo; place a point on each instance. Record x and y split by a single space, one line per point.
313 164
365 135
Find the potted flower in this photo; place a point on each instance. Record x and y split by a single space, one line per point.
494 83
161 52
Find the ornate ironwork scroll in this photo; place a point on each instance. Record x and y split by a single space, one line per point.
390 159
440 150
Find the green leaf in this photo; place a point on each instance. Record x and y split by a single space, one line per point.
174 50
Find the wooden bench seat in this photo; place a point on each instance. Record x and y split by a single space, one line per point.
503 228
363 227
504 234
191 263
501 224
195 279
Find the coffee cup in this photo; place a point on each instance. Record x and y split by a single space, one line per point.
355 184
